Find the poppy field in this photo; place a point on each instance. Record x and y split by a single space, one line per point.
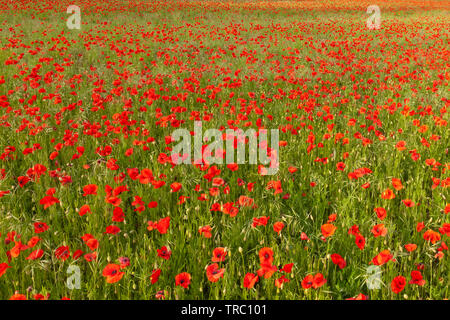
93 205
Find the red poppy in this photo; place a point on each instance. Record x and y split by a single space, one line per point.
214 273
410 247
84 209
48 201
287 268
36 254
18 296
397 184
280 281
338 260
266 256
40 227
261 221
112 273
379 230
388 194
90 189
162 225
3 268
205 231
266 270
62 253
360 241
318 281
432 236
416 278
164 253
219 254
249 280
112 230
398 284
307 281
328 230
155 276
382 258
183 279
358 297
381 213
278 226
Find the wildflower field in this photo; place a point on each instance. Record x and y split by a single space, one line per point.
94 206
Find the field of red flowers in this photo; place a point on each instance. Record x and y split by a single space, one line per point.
94 207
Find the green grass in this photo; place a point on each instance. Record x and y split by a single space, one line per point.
186 50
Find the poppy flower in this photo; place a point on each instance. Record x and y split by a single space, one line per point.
164 253
410 247
162 225
112 273
118 215
360 241
18 296
408 203
33 242
48 201
416 278
124 262
205 231
155 276
420 226
303 236
261 221
36 254
90 189
77 254
112 230
382 258
91 256
84 210
307 281
381 213
397 184
328 230
219 254
432 236
401 145
280 281
62 253
318 281
359 297
266 256
338 260
249 280
388 194
340 166
90 241
176 186
266 270
40 227
3 268
379 230
314 281
398 284
287 268
278 226
183 279
214 273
